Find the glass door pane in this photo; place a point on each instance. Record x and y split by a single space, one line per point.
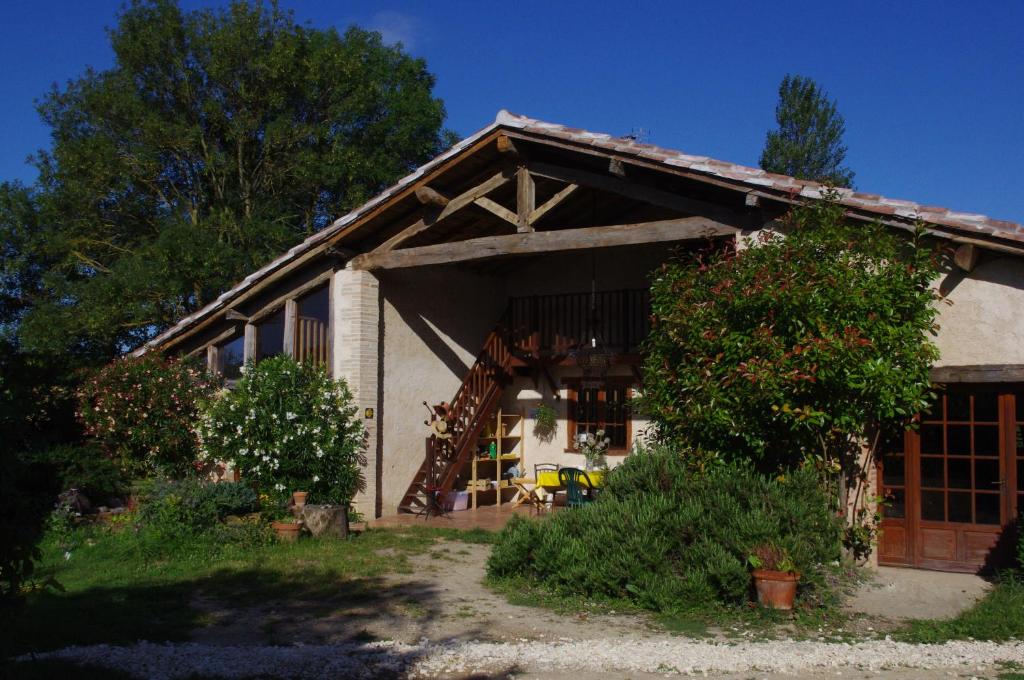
959 464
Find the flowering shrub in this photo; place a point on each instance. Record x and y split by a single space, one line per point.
142 412
288 427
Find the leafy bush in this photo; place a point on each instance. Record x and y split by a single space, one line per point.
142 411
86 468
288 427
798 347
1020 542
671 537
27 491
794 344
191 505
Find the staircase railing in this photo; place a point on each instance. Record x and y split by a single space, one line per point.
473 403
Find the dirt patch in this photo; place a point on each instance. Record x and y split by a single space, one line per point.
901 594
442 598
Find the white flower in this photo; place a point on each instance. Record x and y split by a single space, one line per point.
316 478
279 487
290 416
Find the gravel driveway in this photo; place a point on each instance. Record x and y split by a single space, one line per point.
620 658
440 621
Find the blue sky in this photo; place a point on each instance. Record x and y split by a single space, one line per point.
932 92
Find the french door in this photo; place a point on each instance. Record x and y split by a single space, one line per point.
954 484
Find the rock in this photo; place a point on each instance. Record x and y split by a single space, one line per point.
326 520
74 500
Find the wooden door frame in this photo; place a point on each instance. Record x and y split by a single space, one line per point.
913 524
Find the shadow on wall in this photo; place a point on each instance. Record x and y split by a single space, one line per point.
991 269
463 305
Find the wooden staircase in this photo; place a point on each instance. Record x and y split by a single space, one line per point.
473 404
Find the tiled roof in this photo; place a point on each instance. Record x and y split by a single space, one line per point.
758 180
744 177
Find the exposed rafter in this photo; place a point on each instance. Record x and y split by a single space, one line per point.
682 229
458 203
497 209
428 196
552 203
630 189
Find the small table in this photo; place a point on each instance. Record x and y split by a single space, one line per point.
549 478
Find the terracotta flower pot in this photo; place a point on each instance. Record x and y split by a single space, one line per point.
286 531
299 498
775 589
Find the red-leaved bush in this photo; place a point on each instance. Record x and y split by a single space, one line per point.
142 411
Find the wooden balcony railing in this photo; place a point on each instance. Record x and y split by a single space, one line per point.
312 341
554 325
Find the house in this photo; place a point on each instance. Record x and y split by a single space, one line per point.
511 271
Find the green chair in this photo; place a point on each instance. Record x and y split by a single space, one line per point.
576 495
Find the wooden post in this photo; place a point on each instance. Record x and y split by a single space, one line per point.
212 352
249 344
497 459
291 311
526 199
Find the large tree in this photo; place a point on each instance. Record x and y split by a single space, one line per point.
218 138
808 143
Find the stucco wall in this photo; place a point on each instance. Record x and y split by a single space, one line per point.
985 322
435 320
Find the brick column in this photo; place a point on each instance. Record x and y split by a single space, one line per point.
356 333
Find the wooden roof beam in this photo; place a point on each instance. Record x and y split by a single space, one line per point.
428 196
681 229
633 190
453 205
552 203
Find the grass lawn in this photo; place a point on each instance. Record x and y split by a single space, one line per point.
116 590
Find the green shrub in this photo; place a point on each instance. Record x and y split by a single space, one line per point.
1020 542
142 412
673 538
87 468
288 427
27 492
191 505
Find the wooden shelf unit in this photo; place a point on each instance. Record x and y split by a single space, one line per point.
510 441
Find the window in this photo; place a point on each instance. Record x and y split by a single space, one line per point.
231 358
270 336
312 327
602 405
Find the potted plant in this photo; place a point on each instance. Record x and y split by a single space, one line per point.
775 576
286 527
593 446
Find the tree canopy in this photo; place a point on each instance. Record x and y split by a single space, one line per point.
218 138
808 143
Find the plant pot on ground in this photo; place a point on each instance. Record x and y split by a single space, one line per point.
775 576
286 530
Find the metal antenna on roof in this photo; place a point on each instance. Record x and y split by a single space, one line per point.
639 135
